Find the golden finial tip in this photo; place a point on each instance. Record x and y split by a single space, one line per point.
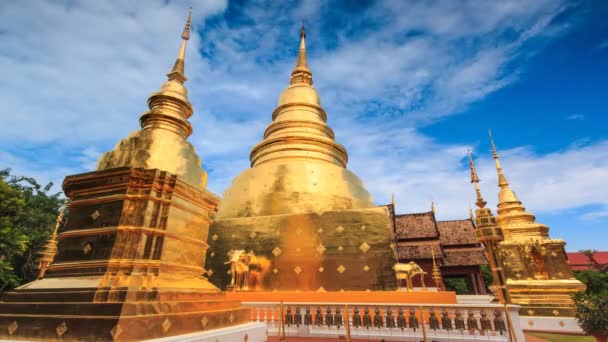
303 32
186 33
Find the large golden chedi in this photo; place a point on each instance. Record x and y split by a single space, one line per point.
309 220
298 167
130 260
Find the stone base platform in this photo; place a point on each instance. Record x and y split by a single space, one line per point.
76 315
249 332
567 325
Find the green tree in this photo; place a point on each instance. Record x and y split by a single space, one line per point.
27 215
592 304
591 311
486 273
12 241
458 285
596 281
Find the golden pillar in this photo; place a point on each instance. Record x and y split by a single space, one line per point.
490 235
130 260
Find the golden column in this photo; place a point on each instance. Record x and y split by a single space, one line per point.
539 277
490 235
130 260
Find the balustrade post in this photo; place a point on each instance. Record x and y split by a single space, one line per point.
424 337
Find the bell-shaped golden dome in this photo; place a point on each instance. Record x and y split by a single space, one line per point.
162 141
298 166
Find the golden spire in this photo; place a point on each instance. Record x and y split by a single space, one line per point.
502 180
512 217
475 180
47 255
301 73
177 73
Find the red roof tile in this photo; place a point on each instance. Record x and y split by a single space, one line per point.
601 257
407 251
456 232
416 226
577 258
465 257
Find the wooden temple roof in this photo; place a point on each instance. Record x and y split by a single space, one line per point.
453 242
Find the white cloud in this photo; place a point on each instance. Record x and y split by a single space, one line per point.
77 78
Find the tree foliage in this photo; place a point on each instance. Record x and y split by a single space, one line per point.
27 216
458 285
592 304
486 273
596 281
591 311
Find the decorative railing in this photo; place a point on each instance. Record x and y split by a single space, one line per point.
392 321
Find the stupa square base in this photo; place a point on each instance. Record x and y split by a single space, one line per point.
350 249
59 315
550 298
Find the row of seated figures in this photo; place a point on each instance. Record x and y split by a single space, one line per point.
330 320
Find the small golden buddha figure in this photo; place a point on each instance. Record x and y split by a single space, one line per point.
401 319
378 319
485 321
338 318
356 318
413 320
367 318
446 322
472 322
390 320
459 321
499 323
328 317
288 317
297 318
433 321
319 317
307 317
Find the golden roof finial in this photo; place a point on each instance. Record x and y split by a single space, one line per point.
393 200
435 272
475 180
433 206
471 213
301 73
177 73
502 180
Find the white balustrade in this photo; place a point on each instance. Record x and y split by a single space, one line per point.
377 329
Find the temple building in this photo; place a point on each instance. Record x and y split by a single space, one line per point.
539 277
306 220
450 244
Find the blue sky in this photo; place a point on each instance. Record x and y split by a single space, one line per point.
408 86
